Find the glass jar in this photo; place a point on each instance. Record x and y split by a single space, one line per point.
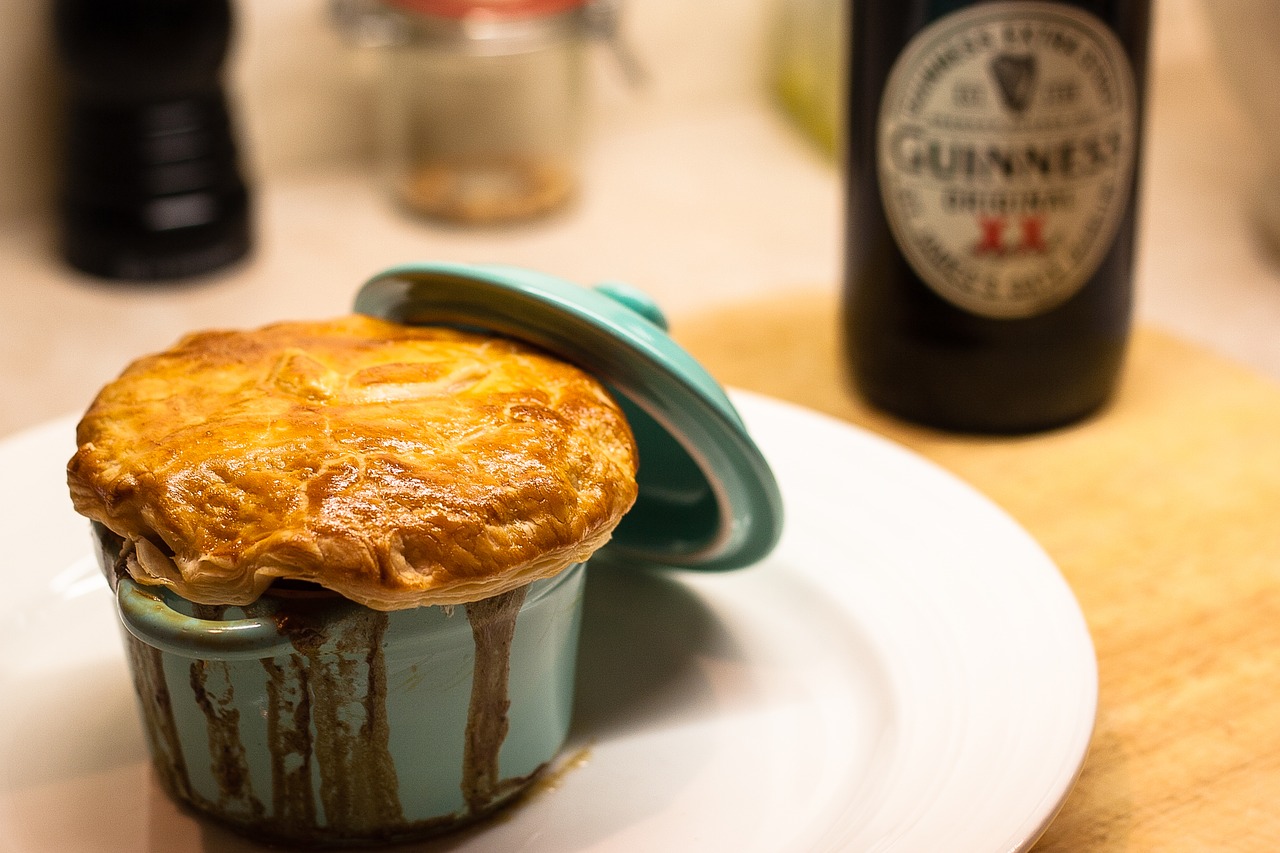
482 106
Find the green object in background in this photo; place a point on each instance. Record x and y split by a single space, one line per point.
806 71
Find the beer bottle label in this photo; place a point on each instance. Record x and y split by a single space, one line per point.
1005 150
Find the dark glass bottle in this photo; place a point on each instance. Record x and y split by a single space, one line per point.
151 183
993 152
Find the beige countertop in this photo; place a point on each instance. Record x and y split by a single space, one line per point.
702 200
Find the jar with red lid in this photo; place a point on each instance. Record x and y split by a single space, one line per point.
481 104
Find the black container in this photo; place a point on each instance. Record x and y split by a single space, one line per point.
992 179
152 189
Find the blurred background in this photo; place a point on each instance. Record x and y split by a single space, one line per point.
715 179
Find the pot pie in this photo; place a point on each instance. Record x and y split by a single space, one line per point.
398 466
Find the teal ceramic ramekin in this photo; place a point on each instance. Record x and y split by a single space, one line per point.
310 719
313 720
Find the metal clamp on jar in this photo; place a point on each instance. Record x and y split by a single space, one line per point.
482 102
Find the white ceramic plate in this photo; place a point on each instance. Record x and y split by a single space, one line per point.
907 672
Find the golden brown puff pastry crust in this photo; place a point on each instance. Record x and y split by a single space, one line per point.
399 466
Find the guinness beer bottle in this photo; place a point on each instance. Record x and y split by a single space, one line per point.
993 152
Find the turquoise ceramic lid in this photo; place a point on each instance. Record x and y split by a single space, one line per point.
707 497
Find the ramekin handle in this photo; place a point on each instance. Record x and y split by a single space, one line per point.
148 617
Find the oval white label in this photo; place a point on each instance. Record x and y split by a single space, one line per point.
1006 147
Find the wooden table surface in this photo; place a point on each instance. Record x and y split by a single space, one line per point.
1163 514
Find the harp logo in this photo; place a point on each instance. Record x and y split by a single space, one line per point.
1016 78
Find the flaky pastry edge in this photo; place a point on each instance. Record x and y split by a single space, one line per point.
149 566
